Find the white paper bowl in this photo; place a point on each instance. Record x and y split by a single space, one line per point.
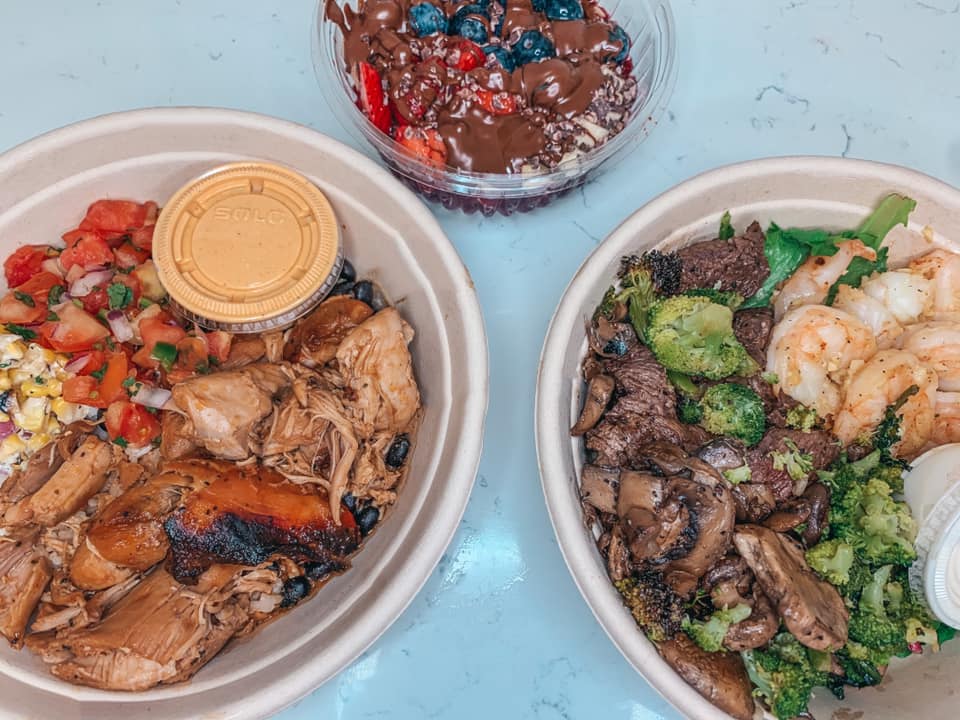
45 187
793 191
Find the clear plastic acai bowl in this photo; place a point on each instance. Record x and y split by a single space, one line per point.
651 27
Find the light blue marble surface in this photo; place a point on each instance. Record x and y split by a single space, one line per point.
500 630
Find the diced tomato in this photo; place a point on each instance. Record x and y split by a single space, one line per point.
219 343
114 215
136 425
76 330
128 256
85 248
27 303
94 361
152 210
96 300
154 329
81 389
142 238
111 386
24 264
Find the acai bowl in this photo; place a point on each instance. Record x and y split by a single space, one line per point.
496 107
747 608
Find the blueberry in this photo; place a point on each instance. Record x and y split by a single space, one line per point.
503 56
367 519
397 453
533 47
348 273
471 28
427 19
563 9
295 589
618 34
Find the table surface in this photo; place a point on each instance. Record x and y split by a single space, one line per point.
500 629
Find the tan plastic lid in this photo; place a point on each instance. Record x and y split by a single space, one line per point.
247 247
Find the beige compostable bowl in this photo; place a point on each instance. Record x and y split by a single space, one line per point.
794 191
45 187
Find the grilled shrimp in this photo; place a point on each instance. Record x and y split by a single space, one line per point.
810 352
942 269
906 294
946 425
880 382
871 312
812 280
937 345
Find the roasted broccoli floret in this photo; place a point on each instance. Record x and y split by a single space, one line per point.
881 529
784 686
832 560
664 268
734 410
709 634
785 646
797 464
878 633
695 337
887 433
729 298
689 410
802 418
738 475
656 608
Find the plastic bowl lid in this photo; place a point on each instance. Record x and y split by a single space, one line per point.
247 247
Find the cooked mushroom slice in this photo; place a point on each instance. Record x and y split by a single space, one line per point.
811 609
789 515
754 501
26 572
730 583
657 527
758 629
599 392
598 487
722 454
720 677
68 489
818 498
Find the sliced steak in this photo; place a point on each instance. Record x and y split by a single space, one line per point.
811 608
820 445
752 328
738 264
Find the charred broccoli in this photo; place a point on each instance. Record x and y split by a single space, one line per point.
642 278
709 634
802 418
734 410
729 298
832 560
656 608
695 337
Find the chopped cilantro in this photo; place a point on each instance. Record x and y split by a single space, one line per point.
98 374
52 317
25 298
55 295
119 295
120 441
24 332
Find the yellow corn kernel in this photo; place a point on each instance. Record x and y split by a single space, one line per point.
5 382
62 359
37 441
18 376
14 351
11 446
32 415
54 387
30 388
52 427
48 355
66 412
4 417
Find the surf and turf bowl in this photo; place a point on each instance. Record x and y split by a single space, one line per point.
795 192
44 185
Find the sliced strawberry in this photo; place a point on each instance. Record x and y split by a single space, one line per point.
371 98
470 56
425 143
497 103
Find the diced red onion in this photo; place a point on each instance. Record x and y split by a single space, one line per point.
77 364
119 325
150 396
85 285
7 428
75 273
52 265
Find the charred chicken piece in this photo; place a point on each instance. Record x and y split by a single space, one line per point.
315 339
68 489
248 514
811 608
26 572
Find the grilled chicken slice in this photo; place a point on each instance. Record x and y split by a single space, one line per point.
176 436
315 339
41 466
223 408
68 489
24 574
248 514
811 608
127 537
161 632
376 365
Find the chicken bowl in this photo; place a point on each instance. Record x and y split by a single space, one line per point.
230 556
723 428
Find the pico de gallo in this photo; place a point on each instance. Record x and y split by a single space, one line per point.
95 311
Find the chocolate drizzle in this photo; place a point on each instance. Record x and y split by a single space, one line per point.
556 100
